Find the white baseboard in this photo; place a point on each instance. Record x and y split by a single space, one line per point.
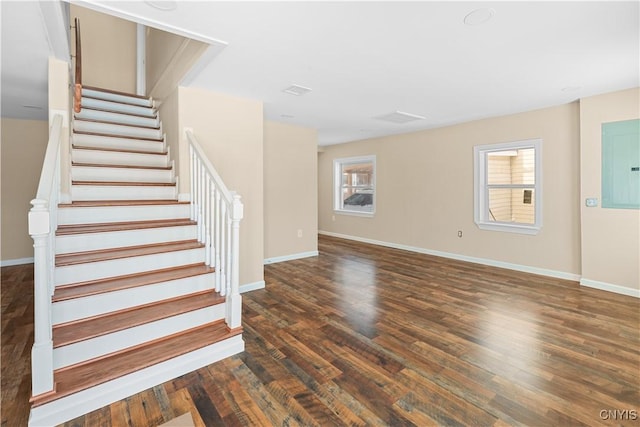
70 407
609 287
252 286
290 257
18 261
483 261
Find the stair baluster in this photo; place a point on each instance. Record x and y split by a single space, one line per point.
218 212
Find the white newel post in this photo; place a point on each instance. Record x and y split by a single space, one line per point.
42 351
234 299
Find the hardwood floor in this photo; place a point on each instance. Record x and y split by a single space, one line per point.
363 335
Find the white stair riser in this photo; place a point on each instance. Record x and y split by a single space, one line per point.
95 141
116 239
111 129
83 402
100 214
106 192
115 106
94 305
117 97
125 119
118 267
119 158
89 173
100 346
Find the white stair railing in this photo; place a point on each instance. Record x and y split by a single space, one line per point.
42 228
218 212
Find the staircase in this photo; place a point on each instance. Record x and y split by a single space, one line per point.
135 300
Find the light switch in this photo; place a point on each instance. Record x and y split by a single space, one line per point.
591 202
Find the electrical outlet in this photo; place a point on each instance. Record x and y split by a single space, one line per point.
299 233
459 233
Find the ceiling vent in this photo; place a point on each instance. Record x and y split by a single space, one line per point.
296 90
399 117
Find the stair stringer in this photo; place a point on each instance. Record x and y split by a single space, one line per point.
83 402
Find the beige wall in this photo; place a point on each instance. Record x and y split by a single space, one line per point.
230 131
108 50
23 145
425 190
290 190
168 58
60 101
610 237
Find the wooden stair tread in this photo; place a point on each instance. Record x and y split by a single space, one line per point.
97 371
107 110
78 331
103 165
101 203
110 284
125 183
109 122
111 135
118 150
125 252
115 92
65 230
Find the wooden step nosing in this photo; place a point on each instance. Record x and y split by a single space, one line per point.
153 116
120 253
118 150
116 92
124 183
108 227
141 345
125 103
215 336
146 278
215 299
111 135
121 203
109 122
106 165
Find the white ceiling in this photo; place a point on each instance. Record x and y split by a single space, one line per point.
367 59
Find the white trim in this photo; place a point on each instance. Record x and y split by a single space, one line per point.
56 28
141 52
112 9
17 261
70 407
205 59
481 187
475 260
291 257
252 286
337 184
610 287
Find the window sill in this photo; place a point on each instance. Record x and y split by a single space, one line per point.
509 228
354 213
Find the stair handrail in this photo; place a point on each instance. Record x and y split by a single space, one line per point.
218 212
78 74
42 228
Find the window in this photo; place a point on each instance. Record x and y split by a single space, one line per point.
508 186
354 181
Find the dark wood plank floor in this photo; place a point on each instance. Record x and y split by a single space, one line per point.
363 335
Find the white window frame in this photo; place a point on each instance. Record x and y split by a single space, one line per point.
337 184
481 187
